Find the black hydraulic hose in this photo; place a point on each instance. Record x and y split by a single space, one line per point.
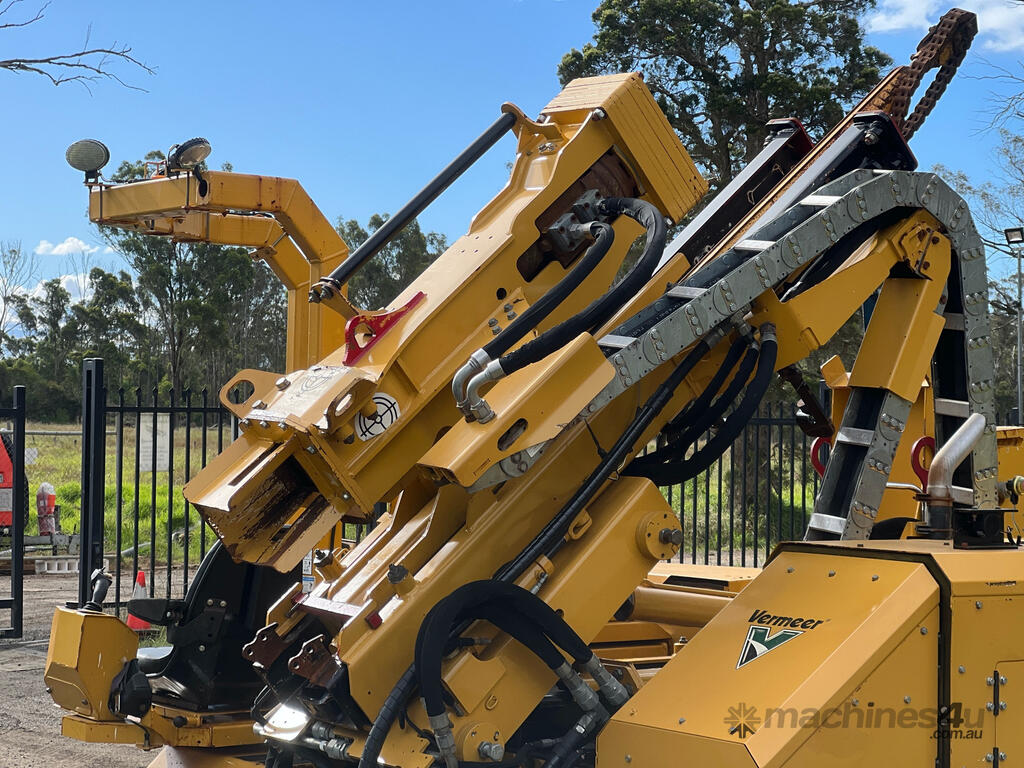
491 600
705 418
680 471
601 309
604 236
549 538
701 407
393 706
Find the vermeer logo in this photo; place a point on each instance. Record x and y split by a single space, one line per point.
760 639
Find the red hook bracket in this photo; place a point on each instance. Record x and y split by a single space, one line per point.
916 462
376 325
816 461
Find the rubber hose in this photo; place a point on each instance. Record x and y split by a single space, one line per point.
677 449
675 472
604 236
601 309
489 599
393 706
548 539
703 406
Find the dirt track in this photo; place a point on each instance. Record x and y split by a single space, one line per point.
29 720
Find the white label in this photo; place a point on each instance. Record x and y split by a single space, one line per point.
163 442
307 572
6 499
368 427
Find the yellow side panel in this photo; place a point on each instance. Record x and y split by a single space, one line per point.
802 637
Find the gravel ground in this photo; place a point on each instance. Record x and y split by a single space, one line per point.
29 720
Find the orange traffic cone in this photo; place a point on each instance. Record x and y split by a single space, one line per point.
139 591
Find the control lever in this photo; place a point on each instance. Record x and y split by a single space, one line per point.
100 582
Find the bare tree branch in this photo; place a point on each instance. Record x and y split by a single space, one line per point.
85 66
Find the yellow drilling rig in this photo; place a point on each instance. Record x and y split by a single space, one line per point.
513 608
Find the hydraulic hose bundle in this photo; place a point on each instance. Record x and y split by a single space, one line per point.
529 620
493 361
668 465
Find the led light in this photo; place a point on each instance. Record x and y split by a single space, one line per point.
88 156
1014 235
188 154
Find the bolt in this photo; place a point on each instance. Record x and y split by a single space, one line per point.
831 574
961 669
855 702
790 569
1002 755
906 699
977 604
283 383
988 758
989 706
629 758
492 322
202 648
310 449
682 720
346 495
670 536
264 424
490 750
223 603
874 577
924 630
1002 706
1002 679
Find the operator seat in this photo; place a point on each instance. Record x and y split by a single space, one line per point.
226 604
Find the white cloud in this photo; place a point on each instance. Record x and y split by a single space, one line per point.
67 247
77 285
1000 22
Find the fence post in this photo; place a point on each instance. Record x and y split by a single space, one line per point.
94 429
19 515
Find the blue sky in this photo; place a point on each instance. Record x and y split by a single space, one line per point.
363 102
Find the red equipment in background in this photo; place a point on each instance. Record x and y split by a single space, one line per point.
46 507
6 487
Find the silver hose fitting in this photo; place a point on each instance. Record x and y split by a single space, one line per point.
582 693
478 407
614 692
444 738
477 362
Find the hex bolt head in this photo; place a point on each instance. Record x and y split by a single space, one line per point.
961 669
906 699
1002 679
670 536
990 681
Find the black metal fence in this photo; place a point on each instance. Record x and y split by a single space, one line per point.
13 532
139 449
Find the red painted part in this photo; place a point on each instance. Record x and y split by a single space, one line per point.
916 462
374 620
816 460
6 481
378 325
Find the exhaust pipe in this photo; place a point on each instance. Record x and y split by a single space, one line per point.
940 473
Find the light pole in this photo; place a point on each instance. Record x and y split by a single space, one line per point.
1015 239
